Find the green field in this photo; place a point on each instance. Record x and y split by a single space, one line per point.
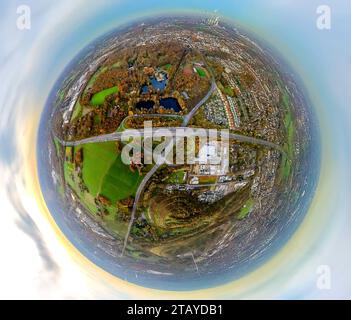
289 146
285 167
99 161
120 182
72 179
288 123
57 146
99 98
229 91
207 180
104 172
246 209
201 72
287 158
78 109
167 66
176 177
116 65
226 90
94 77
68 170
98 158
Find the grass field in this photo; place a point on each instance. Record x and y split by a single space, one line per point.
229 91
71 179
88 198
120 182
78 109
57 146
245 210
68 170
285 168
94 77
99 98
201 72
176 177
104 172
286 164
167 66
288 157
207 180
98 158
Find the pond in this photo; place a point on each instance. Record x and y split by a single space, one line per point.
144 89
148 104
170 103
158 82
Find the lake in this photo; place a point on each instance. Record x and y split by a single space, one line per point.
170 103
148 104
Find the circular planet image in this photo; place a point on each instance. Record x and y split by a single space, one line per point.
178 152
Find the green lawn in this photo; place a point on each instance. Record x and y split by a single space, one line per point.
78 108
99 98
286 164
207 180
288 123
104 172
120 182
246 209
61 95
116 65
68 170
98 158
285 167
72 179
77 112
57 146
176 177
94 77
229 91
201 72
167 66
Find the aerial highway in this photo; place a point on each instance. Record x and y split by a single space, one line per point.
168 132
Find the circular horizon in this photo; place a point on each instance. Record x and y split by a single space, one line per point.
87 245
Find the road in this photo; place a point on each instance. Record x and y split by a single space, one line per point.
148 176
190 115
168 132
136 200
153 115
